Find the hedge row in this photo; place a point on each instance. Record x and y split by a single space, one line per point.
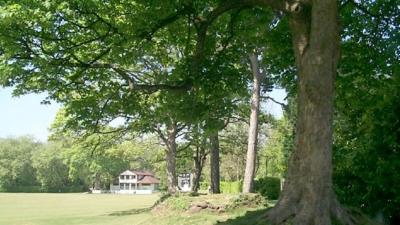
40 189
269 187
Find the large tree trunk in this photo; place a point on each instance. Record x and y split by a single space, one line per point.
308 197
214 160
249 174
171 157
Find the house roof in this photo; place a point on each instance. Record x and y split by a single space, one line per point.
148 180
127 172
142 173
135 172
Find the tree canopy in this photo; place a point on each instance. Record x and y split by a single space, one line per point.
173 64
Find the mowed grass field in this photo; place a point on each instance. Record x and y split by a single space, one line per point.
73 209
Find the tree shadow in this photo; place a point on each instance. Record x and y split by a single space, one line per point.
141 210
256 217
129 212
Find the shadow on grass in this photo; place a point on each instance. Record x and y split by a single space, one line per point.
129 212
256 217
142 210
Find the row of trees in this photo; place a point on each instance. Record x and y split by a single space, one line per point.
184 67
59 167
68 163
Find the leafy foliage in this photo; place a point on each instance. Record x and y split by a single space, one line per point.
366 142
51 171
16 163
269 187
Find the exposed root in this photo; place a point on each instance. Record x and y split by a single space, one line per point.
341 214
304 213
279 214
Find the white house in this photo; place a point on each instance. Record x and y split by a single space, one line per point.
135 182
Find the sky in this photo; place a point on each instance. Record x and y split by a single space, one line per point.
25 115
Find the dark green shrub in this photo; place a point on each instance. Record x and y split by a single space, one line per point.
24 189
269 187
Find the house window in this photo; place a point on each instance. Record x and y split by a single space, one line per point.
133 177
121 186
121 177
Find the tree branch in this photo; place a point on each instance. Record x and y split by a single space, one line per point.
204 23
126 75
275 101
148 33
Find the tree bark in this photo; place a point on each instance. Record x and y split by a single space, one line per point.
97 181
171 157
198 160
308 197
248 182
214 160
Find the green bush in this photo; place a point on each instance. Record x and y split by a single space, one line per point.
179 203
247 200
24 189
231 187
269 187
204 186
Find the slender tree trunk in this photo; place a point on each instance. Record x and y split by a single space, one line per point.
307 197
198 159
249 174
171 157
196 176
238 170
214 159
97 181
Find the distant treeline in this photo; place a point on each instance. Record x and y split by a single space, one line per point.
30 166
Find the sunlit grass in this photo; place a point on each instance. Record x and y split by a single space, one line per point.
70 209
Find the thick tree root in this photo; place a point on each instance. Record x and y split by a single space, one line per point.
301 213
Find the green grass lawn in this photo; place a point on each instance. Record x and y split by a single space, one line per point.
109 209
71 209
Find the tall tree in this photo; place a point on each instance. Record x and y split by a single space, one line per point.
75 60
308 194
170 156
248 182
16 162
51 171
214 162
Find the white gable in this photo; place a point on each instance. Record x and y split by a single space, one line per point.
127 172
